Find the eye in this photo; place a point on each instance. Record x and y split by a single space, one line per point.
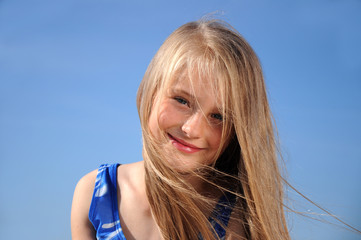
181 100
217 116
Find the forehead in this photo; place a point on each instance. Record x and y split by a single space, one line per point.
197 87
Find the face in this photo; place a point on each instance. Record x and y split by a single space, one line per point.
190 118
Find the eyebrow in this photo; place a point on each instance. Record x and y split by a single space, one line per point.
189 95
182 92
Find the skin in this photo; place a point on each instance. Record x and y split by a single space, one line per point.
134 209
193 126
190 119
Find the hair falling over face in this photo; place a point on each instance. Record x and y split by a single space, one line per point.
245 163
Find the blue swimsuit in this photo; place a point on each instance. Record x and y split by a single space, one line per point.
104 212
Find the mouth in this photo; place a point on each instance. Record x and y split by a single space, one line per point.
183 146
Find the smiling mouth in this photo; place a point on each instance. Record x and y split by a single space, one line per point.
183 146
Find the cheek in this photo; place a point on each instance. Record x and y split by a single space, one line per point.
168 117
215 138
153 123
156 120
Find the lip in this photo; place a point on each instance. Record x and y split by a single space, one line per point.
183 146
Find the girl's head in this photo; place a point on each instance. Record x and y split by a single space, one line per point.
209 58
204 89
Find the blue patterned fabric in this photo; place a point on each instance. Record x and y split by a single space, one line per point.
104 212
221 214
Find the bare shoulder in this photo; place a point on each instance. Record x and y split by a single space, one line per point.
130 173
87 182
81 227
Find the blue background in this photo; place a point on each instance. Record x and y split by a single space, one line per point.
69 72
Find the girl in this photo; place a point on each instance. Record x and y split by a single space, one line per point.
209 168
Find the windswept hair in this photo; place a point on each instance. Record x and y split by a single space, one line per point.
246 164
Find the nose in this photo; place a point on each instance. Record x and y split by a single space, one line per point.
194 125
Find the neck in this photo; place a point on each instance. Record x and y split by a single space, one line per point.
139 178
197 183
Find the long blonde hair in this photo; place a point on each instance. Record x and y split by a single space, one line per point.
248 167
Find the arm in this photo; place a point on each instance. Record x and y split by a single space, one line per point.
81 227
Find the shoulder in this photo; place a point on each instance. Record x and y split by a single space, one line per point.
132 191
80 225
131 173
87 182
85 187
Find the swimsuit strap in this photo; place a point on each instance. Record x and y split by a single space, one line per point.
221 214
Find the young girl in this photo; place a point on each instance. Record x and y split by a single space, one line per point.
209 168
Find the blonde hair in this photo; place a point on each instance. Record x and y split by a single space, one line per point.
248 167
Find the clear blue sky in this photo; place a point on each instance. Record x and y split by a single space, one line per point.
69 72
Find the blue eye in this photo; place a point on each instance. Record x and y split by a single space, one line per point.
217 116
181 100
